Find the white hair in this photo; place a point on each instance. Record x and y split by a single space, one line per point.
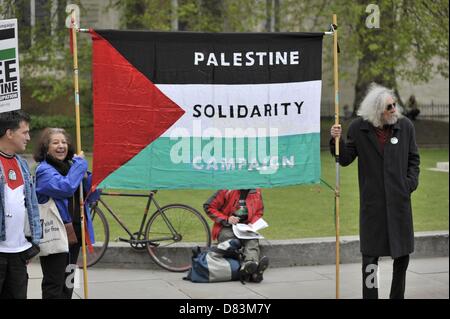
374 104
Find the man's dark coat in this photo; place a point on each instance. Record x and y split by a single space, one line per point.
386 181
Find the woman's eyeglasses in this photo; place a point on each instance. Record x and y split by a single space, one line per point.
390 106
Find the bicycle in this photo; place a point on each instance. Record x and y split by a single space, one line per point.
168 229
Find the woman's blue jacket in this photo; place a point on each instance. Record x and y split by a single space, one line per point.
50 183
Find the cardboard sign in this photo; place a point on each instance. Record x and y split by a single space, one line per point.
9 66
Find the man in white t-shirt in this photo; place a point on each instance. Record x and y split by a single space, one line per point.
20 226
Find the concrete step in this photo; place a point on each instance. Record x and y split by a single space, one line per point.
283 253
440 167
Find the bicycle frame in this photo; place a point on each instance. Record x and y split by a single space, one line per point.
121 223
155 230
151 199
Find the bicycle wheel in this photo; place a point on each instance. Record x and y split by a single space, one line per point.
101 231
173 231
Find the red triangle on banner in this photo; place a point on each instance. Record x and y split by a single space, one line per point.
130 112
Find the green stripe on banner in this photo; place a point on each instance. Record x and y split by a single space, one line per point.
298 159
7 54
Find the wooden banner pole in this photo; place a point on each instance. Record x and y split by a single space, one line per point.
74 27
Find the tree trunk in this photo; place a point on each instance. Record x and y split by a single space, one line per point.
268 15
213 11
276 15
133 11
174 15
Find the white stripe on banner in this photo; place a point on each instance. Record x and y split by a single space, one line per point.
9 43
279 109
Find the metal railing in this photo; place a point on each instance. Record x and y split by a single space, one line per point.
327 110
435 112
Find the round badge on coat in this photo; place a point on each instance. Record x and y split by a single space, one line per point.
12 175
394 140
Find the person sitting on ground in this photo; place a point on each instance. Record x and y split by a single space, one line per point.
229 207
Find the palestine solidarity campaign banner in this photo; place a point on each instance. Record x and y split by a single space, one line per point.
177 110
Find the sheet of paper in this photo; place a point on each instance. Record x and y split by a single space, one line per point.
246 234
244 231
260 224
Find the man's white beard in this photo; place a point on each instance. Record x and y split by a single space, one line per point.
392 119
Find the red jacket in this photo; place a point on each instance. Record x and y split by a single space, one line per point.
225 202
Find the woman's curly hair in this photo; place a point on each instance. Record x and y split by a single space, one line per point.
41 150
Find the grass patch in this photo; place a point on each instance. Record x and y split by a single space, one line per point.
308 210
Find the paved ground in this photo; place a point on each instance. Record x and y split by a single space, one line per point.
426 279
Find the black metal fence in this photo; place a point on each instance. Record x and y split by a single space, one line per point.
435 112
327 110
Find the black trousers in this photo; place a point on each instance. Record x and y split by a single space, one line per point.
13 276
55 270
370 280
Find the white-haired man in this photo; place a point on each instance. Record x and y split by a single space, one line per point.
388 172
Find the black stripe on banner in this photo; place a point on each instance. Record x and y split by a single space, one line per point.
7 34
221 58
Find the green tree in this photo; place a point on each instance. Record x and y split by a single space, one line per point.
45 58
192 15
412 34
411 42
